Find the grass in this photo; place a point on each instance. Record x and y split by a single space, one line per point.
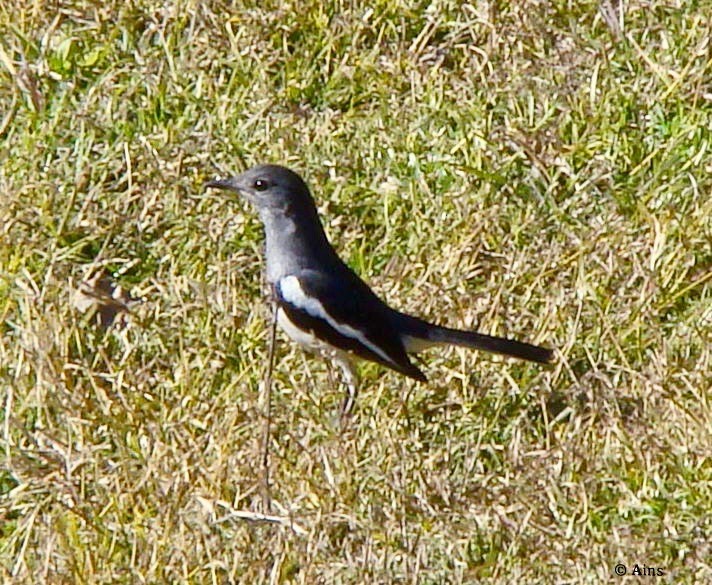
535 169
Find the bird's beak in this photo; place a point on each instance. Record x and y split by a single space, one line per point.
226 184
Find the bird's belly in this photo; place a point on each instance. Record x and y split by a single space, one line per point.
304 338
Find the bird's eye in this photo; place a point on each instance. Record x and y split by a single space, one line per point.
260 185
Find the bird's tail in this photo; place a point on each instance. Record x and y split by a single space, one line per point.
419 334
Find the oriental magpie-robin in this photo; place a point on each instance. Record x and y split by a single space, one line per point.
323 305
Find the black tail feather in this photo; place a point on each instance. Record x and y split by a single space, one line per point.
421 334
500 345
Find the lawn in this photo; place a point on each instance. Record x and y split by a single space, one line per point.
540 170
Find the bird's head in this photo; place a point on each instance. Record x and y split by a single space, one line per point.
270 188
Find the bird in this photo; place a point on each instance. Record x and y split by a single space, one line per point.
323 305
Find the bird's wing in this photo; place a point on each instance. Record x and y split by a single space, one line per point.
344 312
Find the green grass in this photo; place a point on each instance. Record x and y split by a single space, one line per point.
530 169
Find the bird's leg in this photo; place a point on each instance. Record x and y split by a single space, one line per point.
351 379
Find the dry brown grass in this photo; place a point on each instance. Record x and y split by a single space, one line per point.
536 169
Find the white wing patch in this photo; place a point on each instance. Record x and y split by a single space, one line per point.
292 291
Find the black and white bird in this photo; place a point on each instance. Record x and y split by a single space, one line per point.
323 305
